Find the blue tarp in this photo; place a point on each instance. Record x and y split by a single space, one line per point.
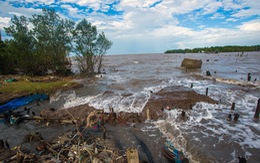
22 101
178 154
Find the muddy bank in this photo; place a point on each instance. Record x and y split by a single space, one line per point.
173 97
87 144
111 133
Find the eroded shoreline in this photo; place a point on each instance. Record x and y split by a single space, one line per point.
128 125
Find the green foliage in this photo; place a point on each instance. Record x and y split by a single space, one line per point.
23 86
102 45
42 44
7 60
53 40
217 49
4 59
90 47
22 46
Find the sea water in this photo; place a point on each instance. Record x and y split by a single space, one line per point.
206 136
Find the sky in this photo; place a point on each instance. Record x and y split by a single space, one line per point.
153 26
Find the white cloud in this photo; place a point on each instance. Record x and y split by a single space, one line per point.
73 12
218 16
47 2
9 10
231 20
93 4
231 5
4 22
247 8
137 3
141 29
156 29
212 7
173 37
247 13
251 26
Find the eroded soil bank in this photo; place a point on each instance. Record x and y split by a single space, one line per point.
172 97
105 132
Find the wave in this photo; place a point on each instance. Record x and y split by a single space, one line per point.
231 81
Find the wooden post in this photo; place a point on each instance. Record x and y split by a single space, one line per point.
148 114
229 117
104 132
236 116
191 86
2 144
248 76
233 106
183 113
207 89
257 109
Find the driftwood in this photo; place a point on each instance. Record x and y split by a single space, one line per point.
132 155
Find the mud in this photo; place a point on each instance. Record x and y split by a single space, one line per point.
113 131
174 97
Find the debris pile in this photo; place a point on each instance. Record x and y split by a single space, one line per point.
80 145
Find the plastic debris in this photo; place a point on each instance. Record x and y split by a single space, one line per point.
10 80
173 154
22 101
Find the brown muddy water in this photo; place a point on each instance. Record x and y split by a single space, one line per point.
206 136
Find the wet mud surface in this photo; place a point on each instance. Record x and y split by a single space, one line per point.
122 130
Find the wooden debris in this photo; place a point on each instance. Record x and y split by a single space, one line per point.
132 155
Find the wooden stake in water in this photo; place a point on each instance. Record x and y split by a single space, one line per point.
207 90
257 109
233 106
191 85
248 76
236 116
183 113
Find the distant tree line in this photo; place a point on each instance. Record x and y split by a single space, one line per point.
217 49
42 44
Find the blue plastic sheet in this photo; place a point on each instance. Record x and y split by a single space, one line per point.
178 154
22 101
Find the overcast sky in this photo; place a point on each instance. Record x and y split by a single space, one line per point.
154 26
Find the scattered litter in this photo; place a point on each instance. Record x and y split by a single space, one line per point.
79 145
173 154
10 80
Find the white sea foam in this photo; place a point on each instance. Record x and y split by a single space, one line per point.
155 89
73 100
120 103
55 97
116 78
174 135
204 119
69 95
132 103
